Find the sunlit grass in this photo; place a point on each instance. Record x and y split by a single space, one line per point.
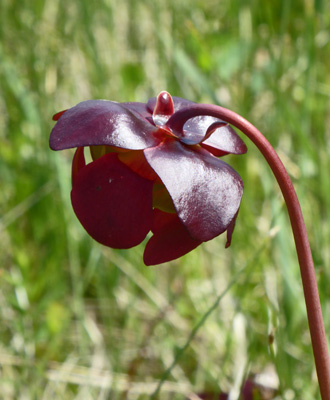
78 321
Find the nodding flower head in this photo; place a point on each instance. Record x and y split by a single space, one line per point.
151 172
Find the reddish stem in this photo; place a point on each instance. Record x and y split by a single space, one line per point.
314 313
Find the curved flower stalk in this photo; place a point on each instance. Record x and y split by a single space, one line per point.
313 306
156 168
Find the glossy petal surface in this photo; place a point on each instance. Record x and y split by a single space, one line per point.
206 192
223 140
171 239
213 133
113 203
101 122
140 108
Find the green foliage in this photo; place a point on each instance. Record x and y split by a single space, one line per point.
78 321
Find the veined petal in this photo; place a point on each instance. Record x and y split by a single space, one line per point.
113 203
102 122
206 192
170 239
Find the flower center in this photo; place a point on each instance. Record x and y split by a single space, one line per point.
164 108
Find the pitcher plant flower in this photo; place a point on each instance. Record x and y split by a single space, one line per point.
156 167
145 176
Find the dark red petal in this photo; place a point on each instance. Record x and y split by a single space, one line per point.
101 122
164 108
214 133
206 192
212 150
198 129
78 163
113 203
226 140
140 108
171 239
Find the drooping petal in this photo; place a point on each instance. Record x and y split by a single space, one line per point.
170 239
206 192
102 122
113 203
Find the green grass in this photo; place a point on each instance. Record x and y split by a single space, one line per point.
79 321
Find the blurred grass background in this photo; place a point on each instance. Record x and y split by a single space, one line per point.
79 321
